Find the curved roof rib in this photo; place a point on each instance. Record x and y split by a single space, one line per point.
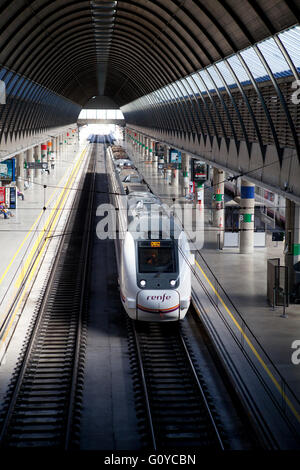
74 48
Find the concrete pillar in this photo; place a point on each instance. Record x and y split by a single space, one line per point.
151 149
60 147
57 148
169 176
64 146
166 153
30 159
37 158
144 153
175 177
218 198
147 153
161 161
199 190
186 173
20 172
141 146
53 152
44 152
292 243
49 151
247 217
138 144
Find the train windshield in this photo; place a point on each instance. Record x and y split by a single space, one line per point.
153 260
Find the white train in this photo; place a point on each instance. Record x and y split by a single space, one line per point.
153 255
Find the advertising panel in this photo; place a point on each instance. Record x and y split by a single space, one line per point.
7 196
13 198
2 195
175 156
8 171
199 171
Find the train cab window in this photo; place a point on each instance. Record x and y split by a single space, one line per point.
157 260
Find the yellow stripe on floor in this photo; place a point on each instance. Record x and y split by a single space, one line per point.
261 361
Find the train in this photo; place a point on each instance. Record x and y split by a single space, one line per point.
153 256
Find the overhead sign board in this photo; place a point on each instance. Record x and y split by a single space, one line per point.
37 165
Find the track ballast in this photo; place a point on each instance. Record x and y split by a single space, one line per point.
173 405
42 405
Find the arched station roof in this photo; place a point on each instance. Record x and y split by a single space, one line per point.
59 54
139 45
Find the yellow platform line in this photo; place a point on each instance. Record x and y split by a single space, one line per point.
36 262
30 231
44 229
258 357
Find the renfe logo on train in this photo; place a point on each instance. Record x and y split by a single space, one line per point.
159 297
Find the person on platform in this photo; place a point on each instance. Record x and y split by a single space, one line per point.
19 194
4 210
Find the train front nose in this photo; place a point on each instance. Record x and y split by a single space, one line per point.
155 305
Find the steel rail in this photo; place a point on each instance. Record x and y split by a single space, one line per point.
168 374
45 383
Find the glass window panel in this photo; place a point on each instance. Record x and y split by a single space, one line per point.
91 113
175 91
16 89
291 41
167 91
2 72
189 88
215 77
255 64
82 114
8 77
120 114
238 68
12 82
111 114
227 75
181 87
205 77
192 84
198 82
273 56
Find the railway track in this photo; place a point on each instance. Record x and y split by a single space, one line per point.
43 401
170 392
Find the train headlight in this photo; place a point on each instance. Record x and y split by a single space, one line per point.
143 283
173 283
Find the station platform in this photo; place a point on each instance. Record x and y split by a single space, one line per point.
253 340
22 234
